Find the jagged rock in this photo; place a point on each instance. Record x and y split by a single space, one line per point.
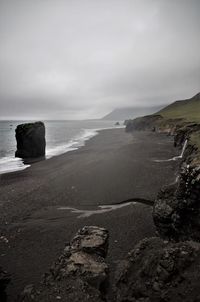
93 240
30 140
176 210
79 274
156 270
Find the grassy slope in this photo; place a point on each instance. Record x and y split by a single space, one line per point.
187 109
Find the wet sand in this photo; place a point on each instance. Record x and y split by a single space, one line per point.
111 167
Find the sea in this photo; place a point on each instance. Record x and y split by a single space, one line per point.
61 137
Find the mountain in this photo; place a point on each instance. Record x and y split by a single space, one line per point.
188 109
126 113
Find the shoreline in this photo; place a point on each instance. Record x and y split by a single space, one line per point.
112 166
73 144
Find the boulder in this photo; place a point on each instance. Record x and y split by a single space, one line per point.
30 140
79 274
156 270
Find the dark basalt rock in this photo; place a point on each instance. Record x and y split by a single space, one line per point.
30 140
79 274
156 270
176 210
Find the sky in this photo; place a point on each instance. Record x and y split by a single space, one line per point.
77 59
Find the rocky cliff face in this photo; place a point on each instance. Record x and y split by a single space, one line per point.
30 140
176 210
184 132
155 270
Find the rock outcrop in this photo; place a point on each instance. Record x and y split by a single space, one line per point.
79 274
182 133
176 211
30 140
157 270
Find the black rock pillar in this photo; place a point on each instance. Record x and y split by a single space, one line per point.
30 140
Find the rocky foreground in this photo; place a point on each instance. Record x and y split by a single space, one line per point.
80 273
155 270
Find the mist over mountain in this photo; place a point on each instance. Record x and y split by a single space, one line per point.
130 112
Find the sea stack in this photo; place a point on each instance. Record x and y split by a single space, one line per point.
30 140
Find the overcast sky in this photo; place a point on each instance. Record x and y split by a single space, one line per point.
82 58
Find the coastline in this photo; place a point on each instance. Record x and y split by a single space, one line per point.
9 164
110 168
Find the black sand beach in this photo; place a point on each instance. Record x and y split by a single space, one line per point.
111 167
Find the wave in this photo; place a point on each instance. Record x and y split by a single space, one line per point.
75 143
11 164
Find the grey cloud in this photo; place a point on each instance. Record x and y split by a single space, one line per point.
79 59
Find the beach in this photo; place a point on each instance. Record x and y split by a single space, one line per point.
44 205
